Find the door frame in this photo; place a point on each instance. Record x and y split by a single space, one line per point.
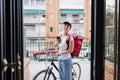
11 39
118 40
15 24
97 39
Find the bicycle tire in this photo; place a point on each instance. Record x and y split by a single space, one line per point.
78 70
39 75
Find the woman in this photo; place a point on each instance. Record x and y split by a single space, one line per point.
64 56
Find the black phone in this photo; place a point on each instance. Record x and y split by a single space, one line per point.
58 37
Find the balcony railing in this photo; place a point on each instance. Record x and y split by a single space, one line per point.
62 20
37 46
76 20
73 20
34 19
35 34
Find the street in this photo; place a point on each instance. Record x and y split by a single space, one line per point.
36 66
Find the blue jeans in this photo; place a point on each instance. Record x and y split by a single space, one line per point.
65 69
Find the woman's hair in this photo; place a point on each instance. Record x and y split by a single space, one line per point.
67 23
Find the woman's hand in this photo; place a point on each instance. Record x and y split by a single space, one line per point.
57 54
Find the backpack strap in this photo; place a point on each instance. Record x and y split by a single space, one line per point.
67 40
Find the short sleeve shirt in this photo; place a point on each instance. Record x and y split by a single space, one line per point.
63 47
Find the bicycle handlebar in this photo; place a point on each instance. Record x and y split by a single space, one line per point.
52 55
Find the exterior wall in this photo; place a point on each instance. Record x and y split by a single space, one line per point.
52 19
69 17
35 30
76 4
87 20
34 5
34 18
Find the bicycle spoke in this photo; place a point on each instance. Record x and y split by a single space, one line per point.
76 71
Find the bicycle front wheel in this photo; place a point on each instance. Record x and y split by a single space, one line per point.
43 75
76 71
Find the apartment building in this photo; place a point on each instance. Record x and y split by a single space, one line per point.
43 19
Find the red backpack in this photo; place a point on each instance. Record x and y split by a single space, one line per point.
77 44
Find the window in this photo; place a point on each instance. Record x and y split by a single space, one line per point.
30 27
81 25
63 17
37 1
75 18
40 2
42 31
26 2
32 2
51 29
42 18
81 29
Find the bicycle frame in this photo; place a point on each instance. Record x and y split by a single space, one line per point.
50 74
49 69
52 63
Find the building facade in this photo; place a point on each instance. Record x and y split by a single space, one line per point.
43 19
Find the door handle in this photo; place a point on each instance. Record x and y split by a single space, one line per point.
4 65
17 64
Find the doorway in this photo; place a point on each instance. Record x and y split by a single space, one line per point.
104 42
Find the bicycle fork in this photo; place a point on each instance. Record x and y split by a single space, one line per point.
48 72
74 73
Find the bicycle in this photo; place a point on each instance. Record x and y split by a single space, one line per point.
48 73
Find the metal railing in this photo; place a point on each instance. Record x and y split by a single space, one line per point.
37 46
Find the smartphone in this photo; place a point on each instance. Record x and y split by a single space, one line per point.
58 37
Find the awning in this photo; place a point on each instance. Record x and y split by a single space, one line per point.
34 12
66 11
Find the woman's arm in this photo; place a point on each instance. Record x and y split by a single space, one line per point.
71 47
55 44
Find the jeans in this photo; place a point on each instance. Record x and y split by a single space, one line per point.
65 69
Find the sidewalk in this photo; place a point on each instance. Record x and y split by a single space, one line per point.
35 67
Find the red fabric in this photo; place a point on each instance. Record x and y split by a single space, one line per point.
77 44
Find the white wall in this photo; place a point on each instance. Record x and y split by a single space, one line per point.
71 4
33 19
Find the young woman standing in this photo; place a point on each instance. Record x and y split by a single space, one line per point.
64 56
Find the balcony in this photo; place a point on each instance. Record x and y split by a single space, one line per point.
34 34
34 19
62 20
76 20
72 20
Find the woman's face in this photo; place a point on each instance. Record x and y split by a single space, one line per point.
66 28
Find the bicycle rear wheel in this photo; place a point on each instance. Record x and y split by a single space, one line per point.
43 75
76 71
